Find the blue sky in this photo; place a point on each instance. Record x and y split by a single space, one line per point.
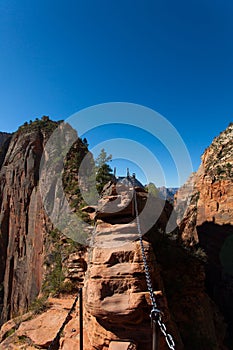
58 57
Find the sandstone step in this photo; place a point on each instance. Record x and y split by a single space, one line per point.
122 345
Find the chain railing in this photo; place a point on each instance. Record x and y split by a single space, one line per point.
155 314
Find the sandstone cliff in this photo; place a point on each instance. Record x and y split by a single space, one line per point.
116 300
211 197
208 218
38 258
22 221
31 251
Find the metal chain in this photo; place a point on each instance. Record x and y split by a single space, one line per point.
155 312
92 239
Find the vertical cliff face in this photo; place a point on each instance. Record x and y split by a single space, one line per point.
22 222
32 253
208 219
211 198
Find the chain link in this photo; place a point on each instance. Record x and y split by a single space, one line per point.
155 312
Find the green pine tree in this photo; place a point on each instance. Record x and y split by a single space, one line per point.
103 170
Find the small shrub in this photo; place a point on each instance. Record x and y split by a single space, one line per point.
200 254
9 333
39 305
68 287
55 235
23 339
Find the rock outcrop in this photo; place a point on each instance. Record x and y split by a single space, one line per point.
33 331
117 302
210 190
208 219
116 299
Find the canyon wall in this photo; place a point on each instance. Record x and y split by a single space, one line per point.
211 195
208 219
37 258
22 222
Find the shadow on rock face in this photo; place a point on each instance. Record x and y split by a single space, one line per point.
217 241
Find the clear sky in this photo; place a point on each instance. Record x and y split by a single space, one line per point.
176 57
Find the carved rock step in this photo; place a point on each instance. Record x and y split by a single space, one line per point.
122 345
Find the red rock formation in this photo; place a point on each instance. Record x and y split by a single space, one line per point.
38 331
24 225
211 198
116 301
208 220
116 298
22 222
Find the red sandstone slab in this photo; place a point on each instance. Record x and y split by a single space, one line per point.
122 345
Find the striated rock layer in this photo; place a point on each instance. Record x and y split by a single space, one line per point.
27 252
208 219
116 300
209 191
22 223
